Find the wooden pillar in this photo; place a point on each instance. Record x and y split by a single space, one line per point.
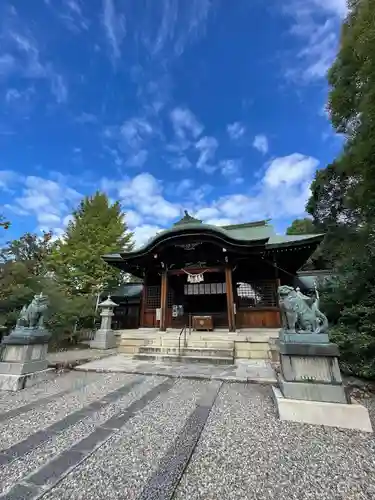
278 283
163 301
230 301
143 303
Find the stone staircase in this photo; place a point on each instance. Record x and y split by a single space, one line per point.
217 347
189 354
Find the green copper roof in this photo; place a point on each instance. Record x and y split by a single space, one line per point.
251 233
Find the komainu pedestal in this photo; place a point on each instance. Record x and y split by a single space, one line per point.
23 355
309 368
311 389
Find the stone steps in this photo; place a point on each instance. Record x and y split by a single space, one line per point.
188 351
170 358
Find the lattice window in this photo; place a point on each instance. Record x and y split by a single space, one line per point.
153 297
256 294
205 289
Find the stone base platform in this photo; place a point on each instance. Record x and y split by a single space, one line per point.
104 339
9 382
346 416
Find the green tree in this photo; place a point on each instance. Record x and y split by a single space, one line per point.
343 194
24 272
97 227
4 223
301 226
352 104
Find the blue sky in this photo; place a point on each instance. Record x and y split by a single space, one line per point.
214 106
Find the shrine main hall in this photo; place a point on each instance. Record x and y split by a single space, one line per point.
209 277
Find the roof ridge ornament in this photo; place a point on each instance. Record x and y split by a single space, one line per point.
187 219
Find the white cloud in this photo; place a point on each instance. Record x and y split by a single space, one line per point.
290 170
230 168
316 24
207 213
138 159
144 193
261 143
7 64
236 130
338 7
8 179
133 219
59 88
12 95
135 131
207 148
219 222
49 201
185 123
86 118
169 25
180 163
115 27
21 56
143 233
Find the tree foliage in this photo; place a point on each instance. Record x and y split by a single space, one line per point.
301 226
24 272
69 270
5 224
343 194
96 228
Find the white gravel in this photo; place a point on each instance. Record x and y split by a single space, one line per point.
246 452
20 468
20 427
121 468
63 381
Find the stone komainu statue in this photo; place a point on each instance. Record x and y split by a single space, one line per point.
300 313
33 315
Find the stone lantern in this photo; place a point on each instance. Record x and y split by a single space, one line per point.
104 337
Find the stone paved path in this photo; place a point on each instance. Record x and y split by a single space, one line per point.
77 356
114 436
257 371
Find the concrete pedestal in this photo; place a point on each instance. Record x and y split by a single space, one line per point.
311 389
22 364
104 339
347 416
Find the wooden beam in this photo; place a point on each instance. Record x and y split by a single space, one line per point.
163 301
230 301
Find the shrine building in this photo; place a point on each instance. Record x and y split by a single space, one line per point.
210 277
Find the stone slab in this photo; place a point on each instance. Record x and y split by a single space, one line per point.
9 382
302 338
305 349
28 367
346 416
324 369
309 391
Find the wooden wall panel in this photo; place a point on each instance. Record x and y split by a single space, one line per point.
258 318
149 318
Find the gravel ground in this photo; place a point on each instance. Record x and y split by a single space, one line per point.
18 428
64 440
124 464
63 381
245 452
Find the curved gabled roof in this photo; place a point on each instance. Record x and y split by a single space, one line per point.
198 229
236 237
